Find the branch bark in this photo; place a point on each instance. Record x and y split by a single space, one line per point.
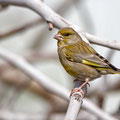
74 106
76 100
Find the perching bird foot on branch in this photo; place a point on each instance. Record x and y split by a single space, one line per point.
80 87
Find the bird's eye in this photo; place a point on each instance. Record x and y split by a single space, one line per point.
66 34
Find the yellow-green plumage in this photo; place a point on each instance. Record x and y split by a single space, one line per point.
79 59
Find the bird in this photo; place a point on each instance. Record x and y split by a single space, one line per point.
79 59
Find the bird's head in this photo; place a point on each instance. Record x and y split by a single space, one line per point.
66 36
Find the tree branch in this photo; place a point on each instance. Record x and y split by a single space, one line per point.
76 100
113 44
50 16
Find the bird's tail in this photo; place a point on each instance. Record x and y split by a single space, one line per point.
116 71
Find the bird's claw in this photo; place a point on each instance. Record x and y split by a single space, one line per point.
88 84
77 90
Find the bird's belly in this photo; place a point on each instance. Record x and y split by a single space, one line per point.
81 71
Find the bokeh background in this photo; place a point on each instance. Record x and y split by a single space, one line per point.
36 44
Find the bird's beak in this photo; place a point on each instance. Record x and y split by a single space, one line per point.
58 36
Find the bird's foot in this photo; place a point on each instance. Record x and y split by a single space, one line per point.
77 90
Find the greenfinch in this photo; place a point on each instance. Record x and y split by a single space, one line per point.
79 59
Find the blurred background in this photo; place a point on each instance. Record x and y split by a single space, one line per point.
24 32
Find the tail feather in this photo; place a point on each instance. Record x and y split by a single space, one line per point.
116 71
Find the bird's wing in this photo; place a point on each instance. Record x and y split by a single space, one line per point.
83 53
93 60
